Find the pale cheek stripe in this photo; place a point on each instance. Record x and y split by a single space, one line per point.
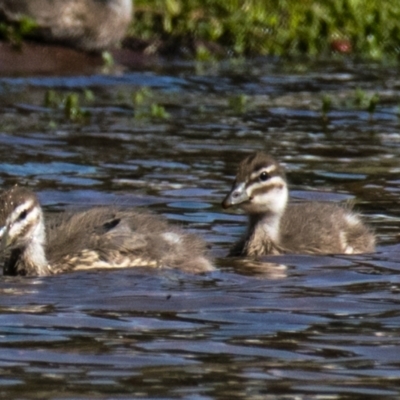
272 183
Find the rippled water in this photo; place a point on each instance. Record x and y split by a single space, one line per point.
290 327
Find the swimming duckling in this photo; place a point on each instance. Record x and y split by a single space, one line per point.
276 227
102 237
91 25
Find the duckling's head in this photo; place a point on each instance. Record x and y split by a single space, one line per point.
21 219
260 186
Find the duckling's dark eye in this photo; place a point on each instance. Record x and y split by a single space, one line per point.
264 176
23 215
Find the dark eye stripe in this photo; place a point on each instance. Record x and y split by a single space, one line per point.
22 215
266 188
258 186
257 180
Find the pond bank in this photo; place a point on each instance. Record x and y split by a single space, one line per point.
34 58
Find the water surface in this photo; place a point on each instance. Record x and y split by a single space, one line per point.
289 327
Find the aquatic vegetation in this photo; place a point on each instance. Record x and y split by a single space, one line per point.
70 103
72 109
363 100
326 106
78 106
145 106
108 62
373 101
238 103
52 99
360 98
158 111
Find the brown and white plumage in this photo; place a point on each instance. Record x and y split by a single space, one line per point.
92 25
276 227
101 237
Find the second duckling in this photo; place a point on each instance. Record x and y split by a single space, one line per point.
99 238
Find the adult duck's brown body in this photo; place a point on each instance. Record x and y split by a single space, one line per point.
91 25
276 227
102 237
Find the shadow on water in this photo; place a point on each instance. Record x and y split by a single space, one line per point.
287 327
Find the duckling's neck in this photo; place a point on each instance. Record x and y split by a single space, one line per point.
263 235
33 257
265 225
265 219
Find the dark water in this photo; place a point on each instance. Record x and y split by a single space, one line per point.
291 327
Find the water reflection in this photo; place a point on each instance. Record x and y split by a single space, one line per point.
283 327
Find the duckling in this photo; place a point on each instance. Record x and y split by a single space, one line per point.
91 25
276 227
101 237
